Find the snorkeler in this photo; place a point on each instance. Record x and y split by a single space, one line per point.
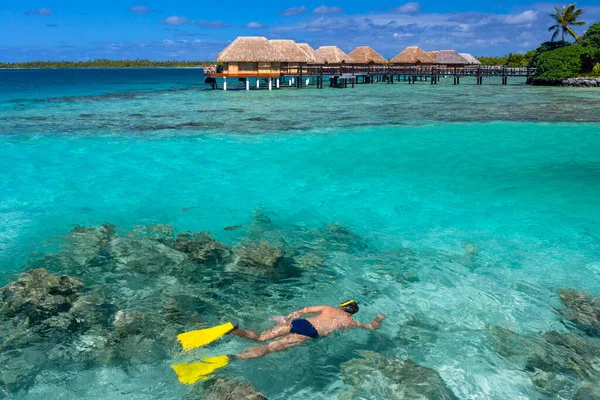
291 330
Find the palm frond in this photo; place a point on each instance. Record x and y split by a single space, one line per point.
570 32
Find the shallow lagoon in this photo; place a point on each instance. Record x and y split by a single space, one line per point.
470 213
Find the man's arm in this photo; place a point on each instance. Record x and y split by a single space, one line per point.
304 311
373 325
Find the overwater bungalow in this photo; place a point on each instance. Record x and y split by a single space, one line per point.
470 59
448 58
413 55
251 57
315 59
295 57
365 55
271 63
333 55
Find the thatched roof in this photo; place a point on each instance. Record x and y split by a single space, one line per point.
448 57
250 49
310 52
366 55
291 51
333 55
470 59
413 55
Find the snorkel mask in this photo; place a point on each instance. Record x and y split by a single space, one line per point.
350 306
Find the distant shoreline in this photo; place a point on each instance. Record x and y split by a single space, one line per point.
105 64
21 68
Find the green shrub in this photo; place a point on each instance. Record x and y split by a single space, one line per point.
486 60
515 60
510 60
596 70
591 37
565 62
544 48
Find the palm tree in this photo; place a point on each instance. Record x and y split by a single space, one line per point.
565 18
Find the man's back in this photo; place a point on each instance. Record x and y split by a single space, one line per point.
330 320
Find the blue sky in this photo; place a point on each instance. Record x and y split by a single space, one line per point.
185 30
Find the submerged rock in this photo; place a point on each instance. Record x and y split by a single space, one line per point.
417 331
257 256
588 392
340 238
555 362
18 368
82 251
173 313
582 309
376 376
227 389
90 310
129 322
308 261
511 345
84 243
38 295
551 383
145 256
163 233
200 247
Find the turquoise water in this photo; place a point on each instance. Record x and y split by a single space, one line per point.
421 173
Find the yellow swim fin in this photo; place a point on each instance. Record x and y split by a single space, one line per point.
190 373
194 339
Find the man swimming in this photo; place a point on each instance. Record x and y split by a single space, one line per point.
293 330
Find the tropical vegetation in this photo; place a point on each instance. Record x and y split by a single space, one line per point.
510 60
564 18
105 63
560 60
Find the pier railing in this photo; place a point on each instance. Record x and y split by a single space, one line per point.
367 70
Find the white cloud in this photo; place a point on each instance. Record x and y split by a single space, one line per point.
140 10
525 17
328 10
254 25
408 8
175 20
213 24
42 12
293 11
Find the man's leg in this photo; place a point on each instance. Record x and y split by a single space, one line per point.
272 333
281 344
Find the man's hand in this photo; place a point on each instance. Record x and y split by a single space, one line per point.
376 323
373 325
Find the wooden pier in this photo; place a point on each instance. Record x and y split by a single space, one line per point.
350 75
